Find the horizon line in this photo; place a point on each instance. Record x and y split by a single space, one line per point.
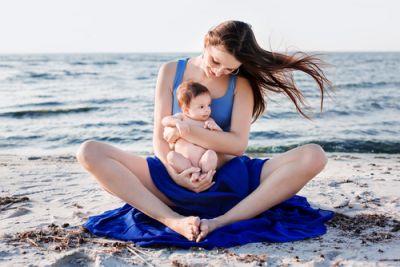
190 52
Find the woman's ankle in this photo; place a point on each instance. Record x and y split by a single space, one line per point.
170 220
218 222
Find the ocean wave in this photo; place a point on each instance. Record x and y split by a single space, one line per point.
101 101
40 104
79 63
23 138
108 139
45 112
279 115
271 135
103 63
346 146
35 76
78 74
366 85
118 124
42 76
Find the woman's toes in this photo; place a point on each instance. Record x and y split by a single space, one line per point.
203 230
196 226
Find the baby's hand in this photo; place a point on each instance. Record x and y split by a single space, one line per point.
212 125
195 177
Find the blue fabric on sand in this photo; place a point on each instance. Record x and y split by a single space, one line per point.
291 220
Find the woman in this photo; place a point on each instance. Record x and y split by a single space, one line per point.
230 50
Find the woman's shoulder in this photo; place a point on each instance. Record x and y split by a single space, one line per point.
169 66
166 74
242 86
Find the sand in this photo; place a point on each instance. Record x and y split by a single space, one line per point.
44 200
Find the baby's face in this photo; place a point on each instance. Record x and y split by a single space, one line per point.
199 108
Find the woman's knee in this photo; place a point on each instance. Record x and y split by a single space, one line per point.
314 158
87 153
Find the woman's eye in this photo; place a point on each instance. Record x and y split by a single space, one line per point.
201 106
215 62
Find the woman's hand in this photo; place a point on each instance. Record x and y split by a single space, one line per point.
204 182
171 134
185 180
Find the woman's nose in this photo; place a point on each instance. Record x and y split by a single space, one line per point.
219 72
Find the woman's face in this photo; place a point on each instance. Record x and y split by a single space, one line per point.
218 62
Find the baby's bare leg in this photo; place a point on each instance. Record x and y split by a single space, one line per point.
208 161
178 161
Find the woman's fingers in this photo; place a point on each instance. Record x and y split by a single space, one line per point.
209 175
188 172
204 183
167 133
170 134
204 188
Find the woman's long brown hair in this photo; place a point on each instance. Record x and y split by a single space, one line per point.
265 70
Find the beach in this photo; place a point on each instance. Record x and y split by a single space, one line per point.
46 199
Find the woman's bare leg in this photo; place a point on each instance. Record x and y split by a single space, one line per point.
281 177
127 176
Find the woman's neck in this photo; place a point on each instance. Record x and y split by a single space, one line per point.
198 69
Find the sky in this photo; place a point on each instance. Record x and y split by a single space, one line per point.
120 26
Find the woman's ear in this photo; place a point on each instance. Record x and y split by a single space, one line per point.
205 40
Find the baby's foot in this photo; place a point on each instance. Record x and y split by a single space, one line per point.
195 177
186 226
206 227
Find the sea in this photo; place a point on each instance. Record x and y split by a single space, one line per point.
51 103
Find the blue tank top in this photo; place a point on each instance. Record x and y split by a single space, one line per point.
221 108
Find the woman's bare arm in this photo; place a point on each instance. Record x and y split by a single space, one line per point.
162 108
171 121
233 142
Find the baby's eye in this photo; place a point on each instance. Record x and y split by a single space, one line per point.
201 106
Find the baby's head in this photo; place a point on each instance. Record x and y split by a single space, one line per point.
194 100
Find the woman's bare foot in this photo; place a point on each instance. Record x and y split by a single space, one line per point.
206 227
186 226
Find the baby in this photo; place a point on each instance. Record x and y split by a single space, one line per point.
194 100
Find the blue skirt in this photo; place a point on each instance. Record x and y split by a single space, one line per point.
291 220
